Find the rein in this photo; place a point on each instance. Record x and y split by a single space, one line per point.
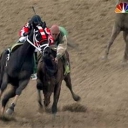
35 40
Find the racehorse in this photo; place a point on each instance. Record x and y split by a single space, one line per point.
120 24
49 79
17 70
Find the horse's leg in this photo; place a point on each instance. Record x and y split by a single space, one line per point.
125 35
22 85
67 79
115 32
39 88
39 98
47 96
4 84
7 96
56 97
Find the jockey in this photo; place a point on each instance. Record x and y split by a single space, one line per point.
45 34
35 21
59 35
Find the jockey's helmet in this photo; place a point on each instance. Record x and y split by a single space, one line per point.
36 20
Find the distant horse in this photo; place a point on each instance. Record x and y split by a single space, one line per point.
120 24
49 79
17 70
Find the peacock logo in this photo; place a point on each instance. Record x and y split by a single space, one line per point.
122 8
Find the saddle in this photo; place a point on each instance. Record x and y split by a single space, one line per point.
12 49
15 46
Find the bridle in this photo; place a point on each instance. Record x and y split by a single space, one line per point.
38 47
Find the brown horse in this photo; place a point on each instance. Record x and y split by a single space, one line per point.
50 76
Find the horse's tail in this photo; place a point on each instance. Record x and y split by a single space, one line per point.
3 59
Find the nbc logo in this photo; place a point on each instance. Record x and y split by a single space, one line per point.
122 8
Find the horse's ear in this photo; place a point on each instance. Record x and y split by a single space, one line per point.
33 25
31 28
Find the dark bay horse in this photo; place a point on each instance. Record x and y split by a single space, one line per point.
49 79
17 70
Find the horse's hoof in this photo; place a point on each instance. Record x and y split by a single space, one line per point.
104 58
76 98
54 110
40 104
9 111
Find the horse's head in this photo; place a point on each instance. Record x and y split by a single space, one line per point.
47 53
49 60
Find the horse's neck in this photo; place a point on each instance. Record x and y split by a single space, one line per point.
23 54
27 49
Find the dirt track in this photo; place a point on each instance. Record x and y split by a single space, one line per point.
102 85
